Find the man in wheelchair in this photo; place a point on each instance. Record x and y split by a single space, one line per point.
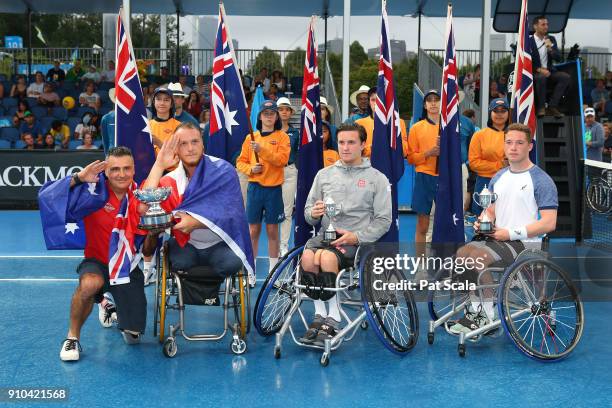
364 194
211 228
525 209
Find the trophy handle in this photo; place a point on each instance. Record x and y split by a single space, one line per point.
493 197
476 200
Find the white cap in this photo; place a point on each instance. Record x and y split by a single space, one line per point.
283 101
176 89
589 112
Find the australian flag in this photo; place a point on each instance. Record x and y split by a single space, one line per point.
522 102
386 139
310 154
131 123
448 218
229 123
62 210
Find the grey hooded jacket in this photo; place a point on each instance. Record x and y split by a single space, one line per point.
362 192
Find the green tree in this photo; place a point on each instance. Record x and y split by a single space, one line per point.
266 59
406 75
294 63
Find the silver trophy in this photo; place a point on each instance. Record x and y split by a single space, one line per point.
331 211
485 199
156 217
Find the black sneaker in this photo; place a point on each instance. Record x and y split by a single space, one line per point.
327 331
311 334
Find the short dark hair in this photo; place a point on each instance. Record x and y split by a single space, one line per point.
187 125
353 127
520 128
469 113
537 19
119 151
56 124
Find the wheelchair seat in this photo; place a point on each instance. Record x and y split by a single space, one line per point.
200 286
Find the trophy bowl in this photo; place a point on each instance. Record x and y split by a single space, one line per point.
155 217
332 209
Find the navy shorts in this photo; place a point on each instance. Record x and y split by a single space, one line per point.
424 193
265 203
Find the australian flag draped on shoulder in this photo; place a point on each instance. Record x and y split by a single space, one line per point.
522 102
131 123
310 154
229 123
448 218
386 139
213 197
62 210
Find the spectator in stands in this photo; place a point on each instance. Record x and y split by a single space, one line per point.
467 128
262 78
279 80
107 124
600 95
1 91
19 88
36 88
494 92
193 105
330 154
22 107
92 75
248 95
76 72
326 115
87 142
90 97
543 52
164 76
502 84
609 80
30 126
148 95
179 99
607 149
204 118
593 135
28 139
471 84
486 152
49 143
87 125
182 79
109 74
61 133
49 97
360 101
273 93
56 74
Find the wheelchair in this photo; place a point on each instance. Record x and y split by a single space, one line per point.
199 286
538 306
393 317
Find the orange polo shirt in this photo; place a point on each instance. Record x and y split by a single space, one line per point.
162 130
368 124
423 136
486 152
273 155
330 156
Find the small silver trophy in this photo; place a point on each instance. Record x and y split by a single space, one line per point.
331 210
156 217
485 199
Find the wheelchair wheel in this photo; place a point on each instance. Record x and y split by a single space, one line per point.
277 293
392 313
242 302
540 309
440 302
161 298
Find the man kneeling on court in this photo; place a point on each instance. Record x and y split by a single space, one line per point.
211 228
364 194
525 209
107 208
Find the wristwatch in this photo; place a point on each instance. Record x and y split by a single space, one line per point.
76 179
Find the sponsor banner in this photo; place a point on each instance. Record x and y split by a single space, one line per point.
23 173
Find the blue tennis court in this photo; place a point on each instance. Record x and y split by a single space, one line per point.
37 286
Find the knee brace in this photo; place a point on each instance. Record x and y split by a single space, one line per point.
309 279
326 280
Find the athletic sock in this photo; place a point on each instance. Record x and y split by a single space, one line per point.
320 309
273 262
334 309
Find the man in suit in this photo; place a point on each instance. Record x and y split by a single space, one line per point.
543 52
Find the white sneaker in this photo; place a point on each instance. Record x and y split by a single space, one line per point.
70 349
252 280
130 338
107 313
150 275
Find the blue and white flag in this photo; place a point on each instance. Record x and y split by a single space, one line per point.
131 123
448 218
258 99
386 139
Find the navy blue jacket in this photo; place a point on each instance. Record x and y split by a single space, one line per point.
553 54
